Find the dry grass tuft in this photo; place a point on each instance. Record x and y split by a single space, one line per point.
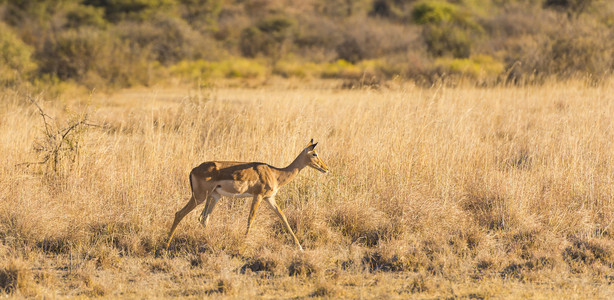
106 257
589 251
358 223
15 276
266 264
421 284
161 265
305 265
326 289
488 207
225 286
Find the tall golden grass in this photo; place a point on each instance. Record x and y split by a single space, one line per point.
440 192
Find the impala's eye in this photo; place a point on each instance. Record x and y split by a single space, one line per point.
315 154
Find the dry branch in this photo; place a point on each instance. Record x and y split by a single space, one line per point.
57 139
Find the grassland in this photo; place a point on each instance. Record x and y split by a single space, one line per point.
433 193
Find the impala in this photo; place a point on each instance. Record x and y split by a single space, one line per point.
214 179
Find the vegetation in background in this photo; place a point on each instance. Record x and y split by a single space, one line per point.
16 63
118 43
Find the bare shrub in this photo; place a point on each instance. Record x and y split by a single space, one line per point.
580 52
59 145
317 37
534 49
371 38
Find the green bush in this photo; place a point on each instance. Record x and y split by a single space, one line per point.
434 12
287 69
231 68
167 39
253 41
341 69
337 69
92 57
350 50
266 37
447 29
447 40
15 57
85 15
480 67
201 14
580 54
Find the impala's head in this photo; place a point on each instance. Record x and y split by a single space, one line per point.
312 158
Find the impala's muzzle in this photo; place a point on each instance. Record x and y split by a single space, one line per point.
322 168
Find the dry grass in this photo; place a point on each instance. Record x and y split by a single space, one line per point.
465 192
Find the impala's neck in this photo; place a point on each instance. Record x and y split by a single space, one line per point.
288 173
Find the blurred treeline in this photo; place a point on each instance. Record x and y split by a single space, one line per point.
121 43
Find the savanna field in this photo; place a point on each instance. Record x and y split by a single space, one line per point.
441 192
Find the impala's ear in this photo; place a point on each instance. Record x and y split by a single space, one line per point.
311 145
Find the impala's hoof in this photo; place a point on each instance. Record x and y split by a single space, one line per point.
203 221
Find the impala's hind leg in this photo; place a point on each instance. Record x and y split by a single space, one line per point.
179 216
252 211
212 200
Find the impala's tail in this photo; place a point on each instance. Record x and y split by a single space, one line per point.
191 185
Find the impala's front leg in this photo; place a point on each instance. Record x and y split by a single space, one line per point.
275 207
252 211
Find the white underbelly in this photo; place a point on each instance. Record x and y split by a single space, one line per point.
222 192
